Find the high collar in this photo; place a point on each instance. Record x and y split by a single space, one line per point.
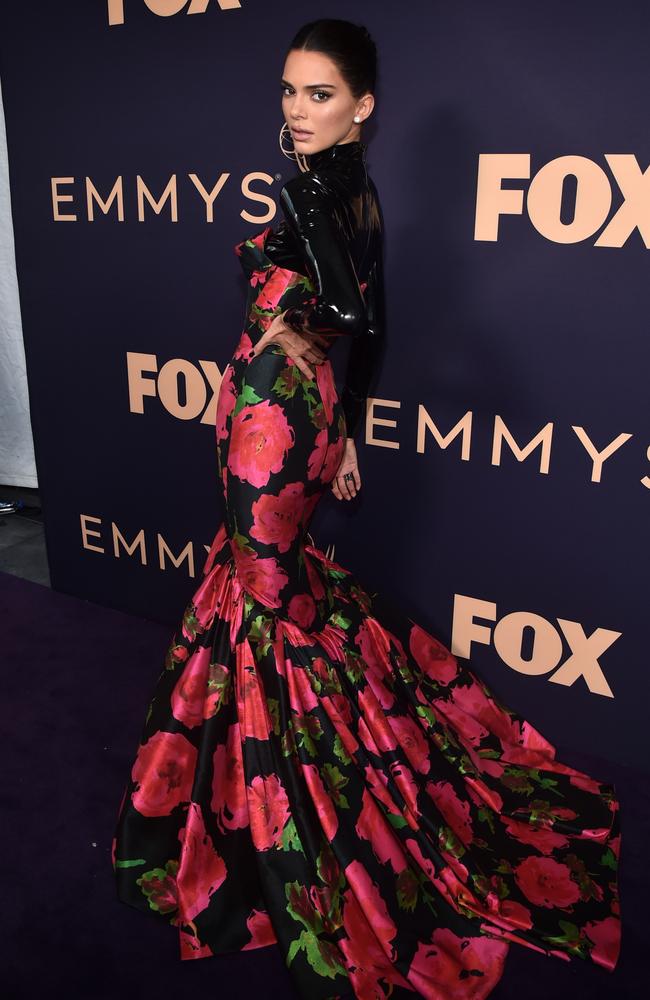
338 155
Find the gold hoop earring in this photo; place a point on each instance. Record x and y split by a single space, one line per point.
293 154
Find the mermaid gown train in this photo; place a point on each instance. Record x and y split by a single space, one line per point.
312 775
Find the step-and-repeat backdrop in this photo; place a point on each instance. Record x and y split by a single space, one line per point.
506 449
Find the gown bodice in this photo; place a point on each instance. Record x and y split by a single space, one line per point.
332 233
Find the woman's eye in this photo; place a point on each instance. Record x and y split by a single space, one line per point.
323 93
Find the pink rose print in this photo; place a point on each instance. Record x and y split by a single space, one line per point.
201 870
412 739
164 770
277 518
244 348
546 882
260 440
403 777
368 964
225 403
436 969
426 864
333 457
268 808
546 841
264 578
317 458
480 793
606 936
432 657
585 782
262 933
271 293
301 693
374 645
302 610
366 919
253 710
189 694
229 802
322 801
327 389
190 947
373 826
454 811
516 914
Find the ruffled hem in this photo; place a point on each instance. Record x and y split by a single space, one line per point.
398 826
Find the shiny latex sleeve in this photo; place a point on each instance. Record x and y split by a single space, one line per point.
338 307
365 351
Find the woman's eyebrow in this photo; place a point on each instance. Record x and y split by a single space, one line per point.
310 86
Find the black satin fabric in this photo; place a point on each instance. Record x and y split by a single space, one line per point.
332 232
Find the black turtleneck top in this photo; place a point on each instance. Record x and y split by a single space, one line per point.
333 232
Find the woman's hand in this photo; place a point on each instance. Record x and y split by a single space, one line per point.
302 348
346 489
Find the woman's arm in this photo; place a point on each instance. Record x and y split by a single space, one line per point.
365 351
339 307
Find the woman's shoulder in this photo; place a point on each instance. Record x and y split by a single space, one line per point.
312 184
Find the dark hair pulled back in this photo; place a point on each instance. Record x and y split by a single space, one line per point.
348 45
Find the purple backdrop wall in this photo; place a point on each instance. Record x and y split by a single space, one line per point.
509 145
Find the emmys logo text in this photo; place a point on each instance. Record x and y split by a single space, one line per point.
76 200
189 391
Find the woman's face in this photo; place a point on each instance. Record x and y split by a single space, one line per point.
317 100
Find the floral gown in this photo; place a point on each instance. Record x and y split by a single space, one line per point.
313 775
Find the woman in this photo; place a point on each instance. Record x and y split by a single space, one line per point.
308 775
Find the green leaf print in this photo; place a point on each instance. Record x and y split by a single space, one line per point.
485 816
274 712
407 890
339 750
609 859
290 840
176 655
261 633
288 743
322 956
246 397
301 908
159 886
515 779
334 782
191 624
287 382
448 841
570 941
427 713
307 729
219 682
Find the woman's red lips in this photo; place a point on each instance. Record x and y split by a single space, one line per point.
301 131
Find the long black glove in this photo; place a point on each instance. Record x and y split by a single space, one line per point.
365 351
339 307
